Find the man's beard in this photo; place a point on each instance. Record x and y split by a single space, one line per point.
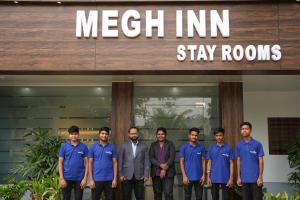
134 139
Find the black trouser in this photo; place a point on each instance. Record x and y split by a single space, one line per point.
163 185
137 186
100 187
68 190
215 191
250 191
188 190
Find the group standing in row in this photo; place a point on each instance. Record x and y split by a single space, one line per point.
134 163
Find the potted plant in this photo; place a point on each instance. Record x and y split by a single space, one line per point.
281 196
40 165
13 189
41 155
47 188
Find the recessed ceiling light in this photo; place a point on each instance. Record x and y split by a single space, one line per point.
26 91
16 2
59 2
175 90
200 104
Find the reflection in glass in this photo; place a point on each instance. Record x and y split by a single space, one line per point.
54 108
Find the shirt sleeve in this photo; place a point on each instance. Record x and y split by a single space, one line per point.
86 151
231 154
181 152
91 152
260 150
237 152
114 152
62 151
208 155
203 152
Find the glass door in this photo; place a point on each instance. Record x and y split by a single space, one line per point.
176 107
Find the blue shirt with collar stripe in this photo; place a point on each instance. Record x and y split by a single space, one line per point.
249 153
193 160
220 156
73 164
102 161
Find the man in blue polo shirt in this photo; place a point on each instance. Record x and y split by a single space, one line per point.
192 165
103 166
72 165
250 164
220 158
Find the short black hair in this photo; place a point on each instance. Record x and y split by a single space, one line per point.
73 129
163 129
219 130
133 127
106 129
194 129
247 124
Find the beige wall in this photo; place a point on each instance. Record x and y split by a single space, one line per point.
258 106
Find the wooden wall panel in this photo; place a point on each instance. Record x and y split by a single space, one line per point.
122 110
249 24
122 116
231 106
289 35
42 38
35 37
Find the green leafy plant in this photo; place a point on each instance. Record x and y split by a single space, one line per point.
281 196
13 190
294 162
47 188
41 155
39 169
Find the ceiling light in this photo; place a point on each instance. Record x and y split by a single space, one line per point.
200 104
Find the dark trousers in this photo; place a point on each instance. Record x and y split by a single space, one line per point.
137 186
68 190
100 187
188 190
250 191
163 185
215 191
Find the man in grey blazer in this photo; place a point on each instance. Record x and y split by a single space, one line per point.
133 166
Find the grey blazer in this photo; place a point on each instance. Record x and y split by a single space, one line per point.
129 166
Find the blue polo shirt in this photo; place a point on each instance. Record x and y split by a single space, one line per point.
73 166
220 157
103 163
249 152
192 160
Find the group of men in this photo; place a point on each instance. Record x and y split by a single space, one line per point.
133 164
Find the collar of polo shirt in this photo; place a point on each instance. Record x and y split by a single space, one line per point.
69 142
250 141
